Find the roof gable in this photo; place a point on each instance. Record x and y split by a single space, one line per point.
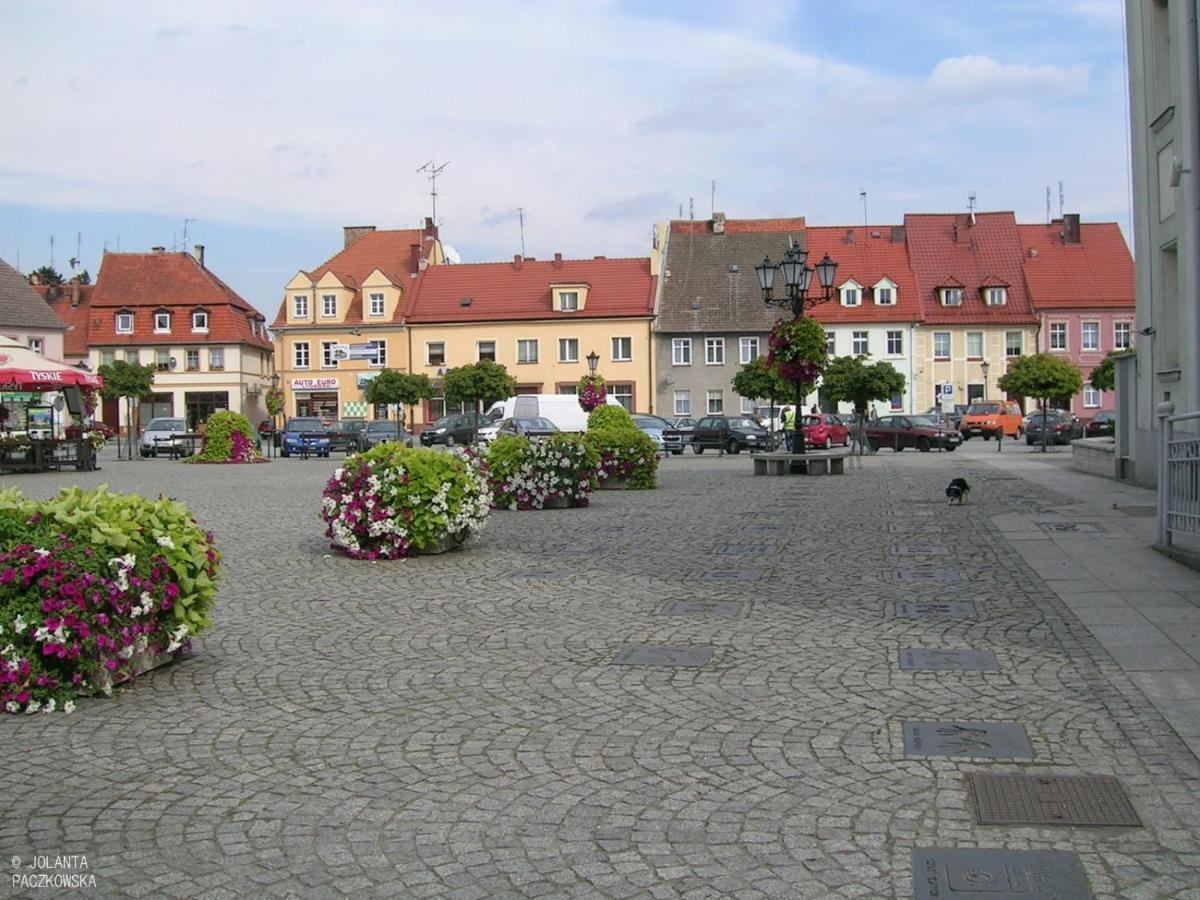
23 307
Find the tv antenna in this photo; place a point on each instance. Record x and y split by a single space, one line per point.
862 195
1047 204
52 251
1060 199
185 229
971 206
521 219
712 203
74 260
692 208
434 171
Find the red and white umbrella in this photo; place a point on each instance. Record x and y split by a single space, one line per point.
23 370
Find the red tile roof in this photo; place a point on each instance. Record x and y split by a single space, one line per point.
739 226
867 260
946 246
513 291
1097 272
72 308
176 282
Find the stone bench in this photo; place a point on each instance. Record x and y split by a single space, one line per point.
814 462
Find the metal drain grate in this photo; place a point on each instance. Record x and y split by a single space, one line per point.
1050 800
944 873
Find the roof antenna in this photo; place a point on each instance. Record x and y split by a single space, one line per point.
74 260
692 208
971 206
52 251
862 195
185 227
681 210
434 171
712 205
521 217
1047 204
1060 199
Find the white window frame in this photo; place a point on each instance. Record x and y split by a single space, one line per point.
162 359
1059 328
200 321
188 357
857 337
681 351
479 351
1008 344
327 358
377 306
620 344
1091 397
748 349
970 335
830 343
850 294
716 397
714 351
952 296
885 296
949 346
162 323
526 344
1083 336
1119 329
683 403
572 306
379 361
215 354
568 350
429 345
124 323
325 313
36 345
622 392
300 306
896 338
747 406
996 296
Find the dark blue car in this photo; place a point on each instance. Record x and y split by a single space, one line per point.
304 436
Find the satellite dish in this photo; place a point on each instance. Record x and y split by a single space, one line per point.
452 256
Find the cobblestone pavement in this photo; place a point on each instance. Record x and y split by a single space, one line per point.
455 726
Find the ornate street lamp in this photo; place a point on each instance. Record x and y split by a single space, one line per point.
797 278
593 360
983 367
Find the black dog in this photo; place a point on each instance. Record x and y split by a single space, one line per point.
958 490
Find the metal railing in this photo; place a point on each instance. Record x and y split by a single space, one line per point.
1178 476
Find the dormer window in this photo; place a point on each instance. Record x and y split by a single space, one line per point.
162 323
568 298
885 292
124 323
995 296
200 320
851 293
569 301
300 306
952 296
328 306
376 308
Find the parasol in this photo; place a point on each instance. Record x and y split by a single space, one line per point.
23 370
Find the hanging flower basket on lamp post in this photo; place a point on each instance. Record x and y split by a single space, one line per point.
591 386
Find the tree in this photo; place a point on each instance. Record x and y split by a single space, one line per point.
45 275
1104 375
131 381
398 389
483 382
1043 376
83 277
758 380
853 380
797 351
275 400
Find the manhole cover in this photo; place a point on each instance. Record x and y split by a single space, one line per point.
1050 800
727 608
1071 527
954 609
920 659
998 874
994 740
940 574
733 575
918 550
655 655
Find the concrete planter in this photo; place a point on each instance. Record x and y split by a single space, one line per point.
557 503
446 544
142 662
614 483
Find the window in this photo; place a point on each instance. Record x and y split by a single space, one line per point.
1091 397
124 323
300 354
830 342
1058 335
162 322
941 345
1122 335
974 345
486 350
996 296
376 305
897 402
328 360
1012 344
568 301
300 306
570 390
199 320
622 349
1090 339
107 357
858 343
747 406
216 359
747 349
681 351
714 351
191 360
622 393
895 343
716 402
435 353
328 306
379 350
850 295
952 296
683 403
527 351
568 350
35 344
162 360
131 356
884 297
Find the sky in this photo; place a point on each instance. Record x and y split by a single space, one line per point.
265 127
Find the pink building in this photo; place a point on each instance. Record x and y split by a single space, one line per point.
1080 281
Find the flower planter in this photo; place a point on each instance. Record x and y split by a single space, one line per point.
556 503
614 483
140 664
445 545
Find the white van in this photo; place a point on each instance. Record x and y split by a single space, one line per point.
561 409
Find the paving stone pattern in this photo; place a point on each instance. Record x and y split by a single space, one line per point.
454 726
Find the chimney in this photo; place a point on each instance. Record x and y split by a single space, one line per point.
74 294
718 223
414 257
897 234
430 230
962 229
518 261
198 249
1070 230
599 257
158 249
352 234
849 235
35 278
558 260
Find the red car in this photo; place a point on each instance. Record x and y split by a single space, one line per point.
825 430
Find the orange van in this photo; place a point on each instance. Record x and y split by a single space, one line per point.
986 417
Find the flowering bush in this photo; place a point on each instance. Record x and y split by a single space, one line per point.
228 437
591 392
524 474
394 500
797 350
89 582
625 451
97 432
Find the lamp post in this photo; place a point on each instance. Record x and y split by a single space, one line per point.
593 360
983 367
797 279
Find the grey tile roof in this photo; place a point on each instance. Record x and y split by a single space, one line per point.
705 294
20 305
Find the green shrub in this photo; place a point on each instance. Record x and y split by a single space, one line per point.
524 474
609 416
228 437
626 453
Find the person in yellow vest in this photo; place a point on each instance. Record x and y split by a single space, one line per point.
787 419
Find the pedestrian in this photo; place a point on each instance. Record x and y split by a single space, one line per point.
815 409
874 413
786 419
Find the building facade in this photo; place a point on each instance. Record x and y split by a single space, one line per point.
26 317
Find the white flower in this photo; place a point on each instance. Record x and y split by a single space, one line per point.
19 624
32 707
40 552
165 541
12 706
69 707
49 707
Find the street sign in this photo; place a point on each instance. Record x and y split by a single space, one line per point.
361 351
339 352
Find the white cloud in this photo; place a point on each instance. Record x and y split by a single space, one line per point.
970 79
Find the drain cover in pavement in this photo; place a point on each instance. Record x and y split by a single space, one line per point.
918 550
942 574
728 608
998 874
995 740
1071 527
920 659
1050 800
655 655
954 609
733 575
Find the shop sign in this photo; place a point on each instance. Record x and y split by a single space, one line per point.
364 377
314 384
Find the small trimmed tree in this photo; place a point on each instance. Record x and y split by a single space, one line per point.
1104 375
131 381
854 380
757 380
481 383
1043 376
398 389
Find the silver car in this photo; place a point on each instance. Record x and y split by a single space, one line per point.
384 430
163 435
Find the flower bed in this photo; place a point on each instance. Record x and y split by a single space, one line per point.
625 452
228 438
91 584
525 474
393 501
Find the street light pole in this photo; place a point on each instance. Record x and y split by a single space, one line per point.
983 367
797 278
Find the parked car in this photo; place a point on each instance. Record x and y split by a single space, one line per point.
684 425
526 426
382 430
825 430
667 438
954 414
305 435
1061 427
1102 424
458 428
921 432
731 433
347 434
988 417
162 434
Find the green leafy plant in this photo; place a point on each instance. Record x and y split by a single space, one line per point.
228 437
610 416
525 474
626 453
131 381
398 389
1044 376
1104 374
854 380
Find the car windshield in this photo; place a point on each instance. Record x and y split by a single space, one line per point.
384 427
650 422
923 421
166 425
304 426
1051 414
812 420
743 423
983 409
536 423
444 422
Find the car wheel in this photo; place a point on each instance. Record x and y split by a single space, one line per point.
732 446
966 437
449 440
678 452
923 444
696 448
950 448
145 454
284 454
828 443
987 435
